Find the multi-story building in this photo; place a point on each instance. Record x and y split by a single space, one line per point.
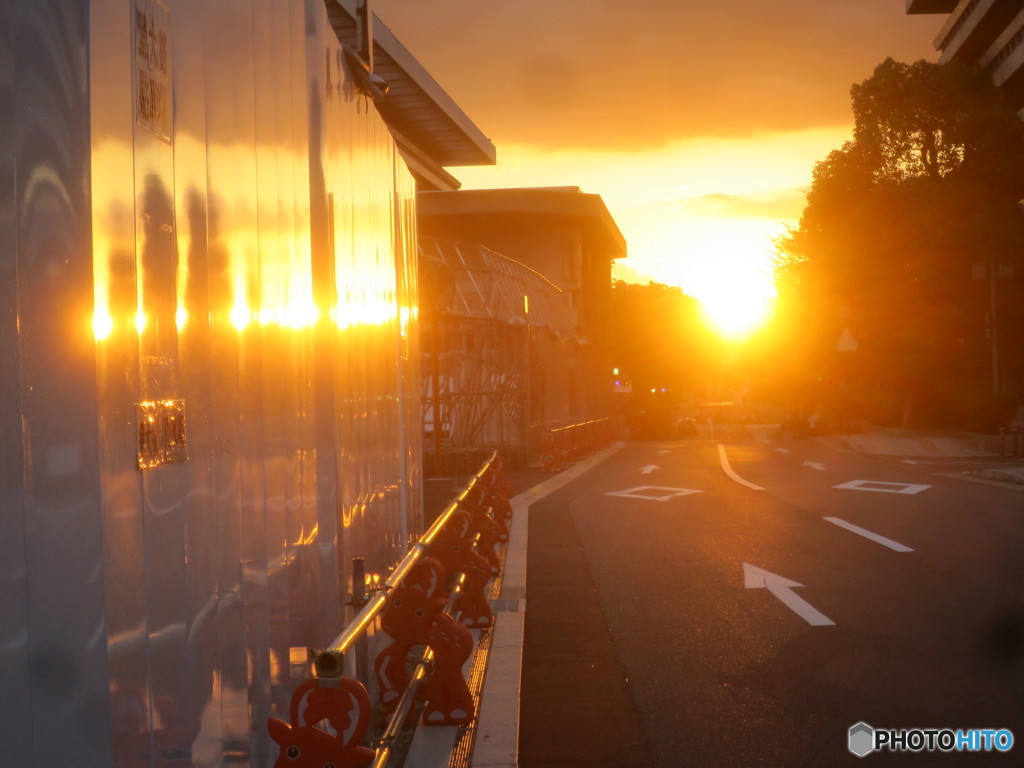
988 33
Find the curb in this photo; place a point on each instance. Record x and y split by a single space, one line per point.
1015 476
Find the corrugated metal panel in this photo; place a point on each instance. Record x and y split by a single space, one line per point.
51 491
252 272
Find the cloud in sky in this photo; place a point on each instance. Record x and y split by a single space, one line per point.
697 121
639 74
756 168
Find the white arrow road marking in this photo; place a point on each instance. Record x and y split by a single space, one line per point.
878 486
815 465
667 493
649 468
782 588
894 545
728 470
781 450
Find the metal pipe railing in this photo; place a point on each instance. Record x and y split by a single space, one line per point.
424 664
402 709
408 698
562 446
329 662
341 696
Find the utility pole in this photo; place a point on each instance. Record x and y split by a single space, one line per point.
994 326
993 270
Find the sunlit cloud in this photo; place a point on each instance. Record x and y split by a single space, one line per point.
784 207
597 73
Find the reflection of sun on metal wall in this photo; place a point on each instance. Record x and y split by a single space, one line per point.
247 368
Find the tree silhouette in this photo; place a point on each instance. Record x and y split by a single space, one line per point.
896 222
658 337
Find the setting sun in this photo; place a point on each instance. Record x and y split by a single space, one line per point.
701 214
738 309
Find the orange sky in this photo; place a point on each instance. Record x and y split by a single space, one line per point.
698 122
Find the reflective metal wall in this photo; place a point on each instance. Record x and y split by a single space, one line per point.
208 333
53 707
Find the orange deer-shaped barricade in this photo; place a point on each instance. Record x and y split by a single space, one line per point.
453 547
415 616
484 522
342 702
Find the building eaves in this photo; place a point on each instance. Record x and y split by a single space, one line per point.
415 105
930 6
567 202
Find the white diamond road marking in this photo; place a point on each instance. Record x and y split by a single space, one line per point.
879 486
668 493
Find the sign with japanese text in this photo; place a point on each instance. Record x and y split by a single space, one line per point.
152 60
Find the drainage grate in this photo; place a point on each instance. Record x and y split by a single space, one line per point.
463 751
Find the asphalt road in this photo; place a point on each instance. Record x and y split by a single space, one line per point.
645 646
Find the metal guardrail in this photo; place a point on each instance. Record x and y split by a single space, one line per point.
405 703
563 446
343 701
330 659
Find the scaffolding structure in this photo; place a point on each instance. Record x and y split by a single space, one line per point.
483 313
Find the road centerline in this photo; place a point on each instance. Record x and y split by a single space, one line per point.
727 468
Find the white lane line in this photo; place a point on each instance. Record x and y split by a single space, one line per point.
728 470
894 545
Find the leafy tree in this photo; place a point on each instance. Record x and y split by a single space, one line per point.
895 222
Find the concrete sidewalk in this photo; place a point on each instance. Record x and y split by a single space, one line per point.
1001 474
492 741
922 444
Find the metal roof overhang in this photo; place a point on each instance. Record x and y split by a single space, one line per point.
415 106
